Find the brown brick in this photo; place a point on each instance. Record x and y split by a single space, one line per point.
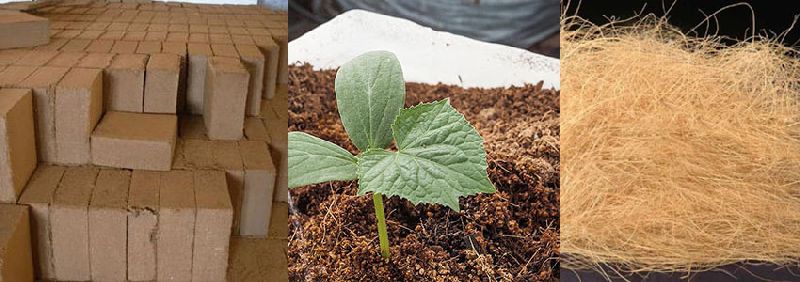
108 228
23 30
175 226
179 36
198 63
161 89
12 76
113 35
76 45
18 151
36 58
212 226
254 62
124 83
227 157
69 221
142 224
195 37
259 184
135 36
43 83
100 46
39 195
225 98
79 106
124 47
224 50
156 36
66 59
16 263
149 47
96 60
271 53
90 34
135 141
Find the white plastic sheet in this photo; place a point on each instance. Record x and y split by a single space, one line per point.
427 56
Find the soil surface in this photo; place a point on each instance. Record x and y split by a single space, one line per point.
511 235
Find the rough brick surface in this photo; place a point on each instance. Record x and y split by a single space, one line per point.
196 80
227 157
108 228
16 263
175 238
17 152
23 30
212 226
142 225
254 62
161 87
69 221
225 98
39 195
79 105
124 83
43 83
259 184
135 141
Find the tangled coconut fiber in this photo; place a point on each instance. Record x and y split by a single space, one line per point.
678 153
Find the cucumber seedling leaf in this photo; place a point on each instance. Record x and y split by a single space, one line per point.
440 158
370 91
313 160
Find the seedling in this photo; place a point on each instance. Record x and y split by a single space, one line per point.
439 157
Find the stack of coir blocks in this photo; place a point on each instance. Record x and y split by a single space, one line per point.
137 138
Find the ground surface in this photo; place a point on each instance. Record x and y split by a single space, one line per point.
510 235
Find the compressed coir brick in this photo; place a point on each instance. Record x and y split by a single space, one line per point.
23 30
176 220
43 83
79 105
69 222
254 62
271 52
259 184
279 149
100 46
108 227
149 47
225 98
17 151
135 141
39 195
16 263
227 157
36 58
161 83
143 198
66 59
124 83
96 60
212 226
12 76
196 79
124 47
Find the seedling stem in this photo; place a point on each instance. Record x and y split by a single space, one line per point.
383 236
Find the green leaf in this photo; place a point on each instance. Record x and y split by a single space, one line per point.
313 160
370 91
440 158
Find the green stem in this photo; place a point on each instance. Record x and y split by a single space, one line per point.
377 199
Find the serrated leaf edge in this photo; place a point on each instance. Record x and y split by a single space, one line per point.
483 163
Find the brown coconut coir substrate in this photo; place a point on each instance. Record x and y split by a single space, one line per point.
511 235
